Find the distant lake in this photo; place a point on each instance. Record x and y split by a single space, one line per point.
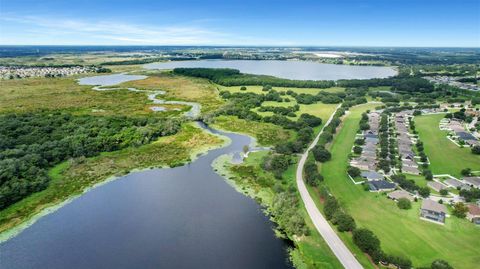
109 80
299 70
182 217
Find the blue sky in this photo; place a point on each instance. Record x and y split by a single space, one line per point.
210 22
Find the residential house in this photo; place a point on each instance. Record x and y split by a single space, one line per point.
433 211
395 195
472 181
437 186
381 185
473 214
371 175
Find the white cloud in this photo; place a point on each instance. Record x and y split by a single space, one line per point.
40 30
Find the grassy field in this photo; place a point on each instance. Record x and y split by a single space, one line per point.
445 157
64 93
266 133
181 88
401 232
73 177
258 89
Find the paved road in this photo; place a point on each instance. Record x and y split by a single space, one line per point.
323 227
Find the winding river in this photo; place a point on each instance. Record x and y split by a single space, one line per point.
183 217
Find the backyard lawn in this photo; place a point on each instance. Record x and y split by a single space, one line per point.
401 232
445 157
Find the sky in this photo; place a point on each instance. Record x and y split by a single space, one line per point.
407 23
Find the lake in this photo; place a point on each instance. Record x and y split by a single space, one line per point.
299 70
183 217
109 80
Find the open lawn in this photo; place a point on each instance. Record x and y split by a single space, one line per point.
258 89
401 232
267 134
73 177
445 157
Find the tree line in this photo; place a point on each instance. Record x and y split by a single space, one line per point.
31 143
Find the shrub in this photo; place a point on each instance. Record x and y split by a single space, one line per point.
404 203
476 149
344 221
321 154
460 210
243 88
424 192
353 171
331 206
366 240
440 264
428 174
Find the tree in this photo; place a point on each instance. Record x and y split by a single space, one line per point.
366 240
440 264
428 174
460 210
344 222
357 150
330 207
443 192
321 154
404 203
424 192
353 171
476 149
466 172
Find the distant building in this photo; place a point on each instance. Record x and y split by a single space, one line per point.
433 211
473 214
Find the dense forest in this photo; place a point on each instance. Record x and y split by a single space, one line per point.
32 143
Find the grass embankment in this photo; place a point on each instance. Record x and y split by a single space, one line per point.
181 88
24 95
249 178
445 156
401 232
73 177
265 133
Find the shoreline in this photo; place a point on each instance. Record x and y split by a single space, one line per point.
51 208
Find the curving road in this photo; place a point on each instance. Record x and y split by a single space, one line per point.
323 227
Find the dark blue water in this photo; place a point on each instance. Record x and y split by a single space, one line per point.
184 217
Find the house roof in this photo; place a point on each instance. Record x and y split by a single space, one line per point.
380 185
433 206
372 175
466 136
436 185
472 180
474 210
400 194
453 182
